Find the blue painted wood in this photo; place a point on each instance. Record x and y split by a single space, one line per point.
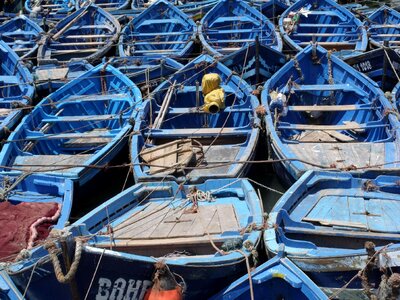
325 22
86 122
204 272
244 63
108 5
307 121
278 278
50 8
162 29
194 9
22 35
233 24
232 133
16 89
51 77
87 34
376 65
8 290
135 67
325 219
383 26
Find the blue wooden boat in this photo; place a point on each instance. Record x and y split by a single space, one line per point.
277 278
181 139
320 113
395 97
324 22
194 9
108 5
50 8
181 239
147 72
161 29
88 33
255 64
383 27
22 35
272 9
30 205
381 65
82 125
51 77
232 24
333 223
16 89
8 290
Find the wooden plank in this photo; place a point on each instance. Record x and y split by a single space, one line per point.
321 127
227 217
336 223
198 132
163 229
142 225
357 210
47 163
296 34
94 97
83 118
88 36
183 226
376 216
51 74
325 108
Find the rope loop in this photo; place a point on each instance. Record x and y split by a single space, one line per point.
53 250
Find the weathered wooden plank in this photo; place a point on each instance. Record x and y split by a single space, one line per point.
183 226
227 218
325 108
163 229
143 224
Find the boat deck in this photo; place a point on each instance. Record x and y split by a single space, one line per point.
48 163
341 155
157 228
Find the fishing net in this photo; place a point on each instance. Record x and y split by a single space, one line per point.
23 224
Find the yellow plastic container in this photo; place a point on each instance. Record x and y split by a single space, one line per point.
214 101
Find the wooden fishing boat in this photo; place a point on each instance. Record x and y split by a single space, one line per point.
278 278
161 29
78 128
181 139
22 35
272 9
383 26
29 205
88 33
194 9
395 97
50 8
333 224
255 63
147 72
232 24
8 290
156 223
51 77
324 22
108 5
16 89
381 65
320 113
